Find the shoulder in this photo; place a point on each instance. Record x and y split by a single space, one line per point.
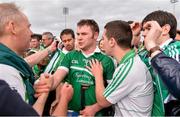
138 62
9 74
74 52
104 57
173 44
6 69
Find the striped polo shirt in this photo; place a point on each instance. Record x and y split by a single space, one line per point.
131 88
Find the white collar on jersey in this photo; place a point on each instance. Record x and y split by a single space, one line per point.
64 50
166 43
97 50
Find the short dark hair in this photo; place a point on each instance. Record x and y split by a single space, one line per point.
163 18
89 22
67 31
120 31
130 22
36 36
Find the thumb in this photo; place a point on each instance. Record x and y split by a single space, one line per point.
81 112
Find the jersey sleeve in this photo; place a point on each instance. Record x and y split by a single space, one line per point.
65 65
120 86
66 61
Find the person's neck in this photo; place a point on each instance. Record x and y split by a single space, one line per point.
120 53
8 43
89 50
162 40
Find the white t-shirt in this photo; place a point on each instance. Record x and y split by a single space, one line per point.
131 89
13 78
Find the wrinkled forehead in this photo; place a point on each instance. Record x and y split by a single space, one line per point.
66 37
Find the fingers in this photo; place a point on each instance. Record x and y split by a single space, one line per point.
45 75
43 84
66 92
37 95
81 112
94 65
150 24
93 62
53 106
67 85
89 68
42 89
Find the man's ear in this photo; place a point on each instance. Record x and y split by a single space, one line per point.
11 27
165 29
112 42
96 34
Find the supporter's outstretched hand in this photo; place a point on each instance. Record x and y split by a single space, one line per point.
53 106
43 84
56 101
152 35
95 68
66 92
53 46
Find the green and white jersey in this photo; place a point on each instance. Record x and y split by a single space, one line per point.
131 89
75 63
161 95
54 62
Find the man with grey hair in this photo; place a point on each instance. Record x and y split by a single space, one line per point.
47 39
15 36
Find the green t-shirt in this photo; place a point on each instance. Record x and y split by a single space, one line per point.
78 74
171 49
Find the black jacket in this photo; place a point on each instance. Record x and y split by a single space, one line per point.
11 103
169 71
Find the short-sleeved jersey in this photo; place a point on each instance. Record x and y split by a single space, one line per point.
172 49
79 75
54 62
131 89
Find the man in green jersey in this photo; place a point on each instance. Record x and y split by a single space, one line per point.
68 39
170 47
73 69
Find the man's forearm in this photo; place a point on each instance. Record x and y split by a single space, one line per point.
62 107
101 100
58 76
37 57
40 103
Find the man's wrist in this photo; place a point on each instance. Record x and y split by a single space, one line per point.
49 51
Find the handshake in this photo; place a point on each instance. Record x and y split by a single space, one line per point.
45 84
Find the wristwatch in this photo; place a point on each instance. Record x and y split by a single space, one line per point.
49 51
